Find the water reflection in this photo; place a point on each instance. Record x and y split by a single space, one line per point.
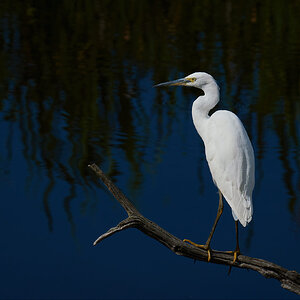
78 85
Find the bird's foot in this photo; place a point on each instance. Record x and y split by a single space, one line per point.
205 247
235 253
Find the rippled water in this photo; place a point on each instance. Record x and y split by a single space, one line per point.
76 86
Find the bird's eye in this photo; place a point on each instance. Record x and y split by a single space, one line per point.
193 79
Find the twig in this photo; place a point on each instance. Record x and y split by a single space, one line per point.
290 280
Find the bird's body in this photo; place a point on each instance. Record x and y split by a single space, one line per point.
229 154
228 150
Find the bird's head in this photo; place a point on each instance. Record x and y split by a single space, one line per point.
198 80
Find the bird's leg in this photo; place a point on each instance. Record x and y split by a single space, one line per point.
207 245
236 252
219 213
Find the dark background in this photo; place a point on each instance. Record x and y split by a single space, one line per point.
76 86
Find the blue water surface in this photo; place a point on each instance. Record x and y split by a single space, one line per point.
77 88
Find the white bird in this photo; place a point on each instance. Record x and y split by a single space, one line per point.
228 151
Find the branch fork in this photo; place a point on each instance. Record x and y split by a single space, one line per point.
289 280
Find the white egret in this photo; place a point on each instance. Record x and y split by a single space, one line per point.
228 151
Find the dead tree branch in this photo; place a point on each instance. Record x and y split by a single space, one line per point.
290 280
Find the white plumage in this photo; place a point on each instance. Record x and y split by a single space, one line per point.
231 162
228 151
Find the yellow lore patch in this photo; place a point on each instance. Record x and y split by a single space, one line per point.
192 79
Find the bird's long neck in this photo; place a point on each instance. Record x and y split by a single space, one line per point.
203 104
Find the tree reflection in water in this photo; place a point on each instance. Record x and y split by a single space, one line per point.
76 81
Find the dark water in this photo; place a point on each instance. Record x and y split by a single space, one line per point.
76 87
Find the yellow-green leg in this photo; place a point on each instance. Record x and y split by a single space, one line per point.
207 245
236 252
237 247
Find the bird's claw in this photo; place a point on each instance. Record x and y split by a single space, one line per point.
205 247
208 255
235 253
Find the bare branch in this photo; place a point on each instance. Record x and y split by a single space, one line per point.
290 280
127 223
127 205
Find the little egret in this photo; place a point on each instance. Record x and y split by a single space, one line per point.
228 151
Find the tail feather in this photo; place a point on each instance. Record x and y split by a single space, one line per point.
243 211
